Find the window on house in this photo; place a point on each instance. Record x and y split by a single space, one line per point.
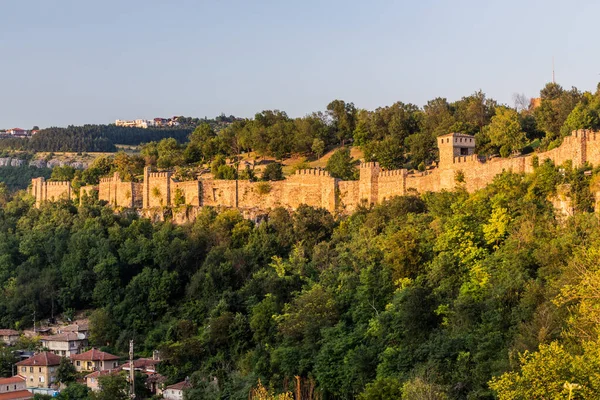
41 379
79 363
30 369
40 369
464 151
23 369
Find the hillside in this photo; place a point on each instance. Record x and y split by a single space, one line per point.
436 292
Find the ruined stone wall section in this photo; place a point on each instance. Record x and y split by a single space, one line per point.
348 195
187 192
314 187
118 193
368 187
425 181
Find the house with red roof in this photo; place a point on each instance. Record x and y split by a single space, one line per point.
175 392
94 360
14 388
91 380
40 369
9 336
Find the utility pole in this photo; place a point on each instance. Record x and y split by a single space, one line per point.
131 372
553 80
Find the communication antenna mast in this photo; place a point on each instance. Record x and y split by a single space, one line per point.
553 80
131 372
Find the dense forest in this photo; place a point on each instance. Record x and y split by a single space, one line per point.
103 138
20 177
440 296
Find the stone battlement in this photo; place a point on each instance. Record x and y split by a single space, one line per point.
316 187
465 159
159 174
313 171
393 172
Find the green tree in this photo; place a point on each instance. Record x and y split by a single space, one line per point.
66 373
7 361
505 131
342 166
272 172
318 147
66 173
112 387
344 118
74 391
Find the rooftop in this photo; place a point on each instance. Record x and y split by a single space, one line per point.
18 395
456 134
11 380
9 332
62 337
141 363
97 374
41 359
180 386
94 355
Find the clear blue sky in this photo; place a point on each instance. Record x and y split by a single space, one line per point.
73 62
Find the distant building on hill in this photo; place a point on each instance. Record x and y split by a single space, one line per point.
146 123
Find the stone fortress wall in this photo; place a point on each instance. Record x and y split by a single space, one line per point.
315 187
50 191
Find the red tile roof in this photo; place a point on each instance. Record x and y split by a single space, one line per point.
94 355
96 374
18 395
62 337
11 380
41 359
9 332
180 386
142 363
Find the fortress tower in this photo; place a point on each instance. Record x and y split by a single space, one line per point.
454 145
368 184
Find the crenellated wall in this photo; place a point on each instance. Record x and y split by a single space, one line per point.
50 191
316 187
156 189
120 194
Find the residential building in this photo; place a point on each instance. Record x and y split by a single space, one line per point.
175 392
40 370
17 132
146 365
65 344
81 327
9 336
91 380
94 360
14 388
155 382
